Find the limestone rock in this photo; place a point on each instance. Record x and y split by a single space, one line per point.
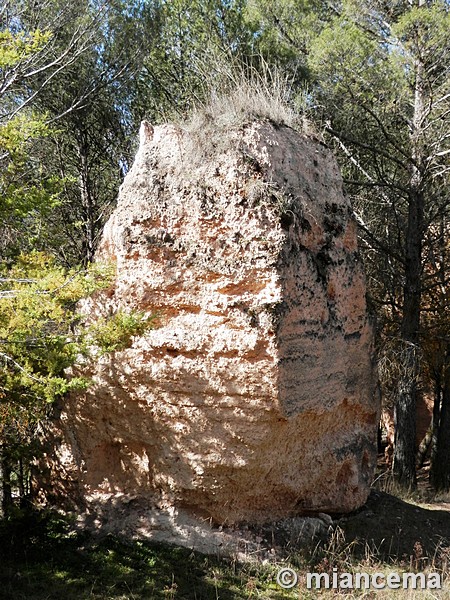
252 399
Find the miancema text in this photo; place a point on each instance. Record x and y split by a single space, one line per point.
376 581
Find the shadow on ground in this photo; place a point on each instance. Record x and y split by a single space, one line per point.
399 531
42 557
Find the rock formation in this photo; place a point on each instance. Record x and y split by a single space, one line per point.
252 397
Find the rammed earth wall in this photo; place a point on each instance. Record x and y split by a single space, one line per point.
253 397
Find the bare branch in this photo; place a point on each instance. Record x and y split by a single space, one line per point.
342 137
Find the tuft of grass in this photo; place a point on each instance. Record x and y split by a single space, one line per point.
248 97
239 97
213 132
339 556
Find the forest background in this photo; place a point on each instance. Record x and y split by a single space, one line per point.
369 78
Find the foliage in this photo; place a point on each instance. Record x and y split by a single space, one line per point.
57 65
41 337
284 32
37 339
91 148
114 333
382 87
32 52
24 188
18 47
193 42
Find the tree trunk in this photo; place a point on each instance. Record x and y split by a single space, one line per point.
435 421
88 206
22 484
5 484
403 466
440 468
2 512
424 446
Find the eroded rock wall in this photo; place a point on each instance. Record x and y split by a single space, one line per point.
253 396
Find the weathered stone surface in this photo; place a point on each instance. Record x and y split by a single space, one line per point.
253 397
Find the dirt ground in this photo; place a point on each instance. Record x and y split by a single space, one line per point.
412 531
415 529
395 529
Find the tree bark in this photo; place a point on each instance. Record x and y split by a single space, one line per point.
440 468
403 466
5 483
88 205
435 421
424 446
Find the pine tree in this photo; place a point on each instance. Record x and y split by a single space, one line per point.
383 88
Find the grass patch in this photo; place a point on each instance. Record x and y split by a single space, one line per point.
42 557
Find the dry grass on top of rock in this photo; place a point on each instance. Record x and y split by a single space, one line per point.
247 98
240 100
